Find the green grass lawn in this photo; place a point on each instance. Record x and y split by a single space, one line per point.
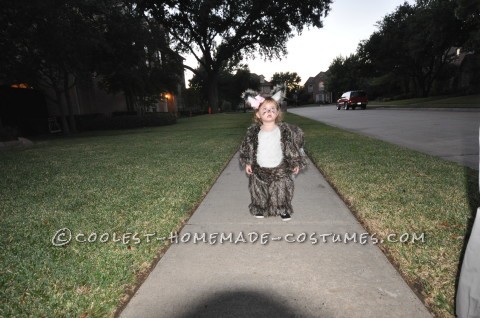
396 190
149 180
145 181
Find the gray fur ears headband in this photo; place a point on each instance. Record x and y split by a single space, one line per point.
255 100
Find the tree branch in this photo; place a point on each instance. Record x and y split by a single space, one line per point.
194 71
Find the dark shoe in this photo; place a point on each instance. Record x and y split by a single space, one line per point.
259 216
286 217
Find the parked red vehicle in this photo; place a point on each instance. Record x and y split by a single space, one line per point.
353 99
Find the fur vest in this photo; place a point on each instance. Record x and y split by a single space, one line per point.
291 140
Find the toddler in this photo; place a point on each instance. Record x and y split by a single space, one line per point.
272 152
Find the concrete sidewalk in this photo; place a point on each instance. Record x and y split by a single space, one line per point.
277 279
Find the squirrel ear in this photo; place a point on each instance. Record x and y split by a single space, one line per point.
277 96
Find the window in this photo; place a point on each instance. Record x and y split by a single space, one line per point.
359 94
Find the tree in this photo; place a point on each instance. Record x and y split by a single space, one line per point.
232 81
292 81
53 44
414 42
233 84
385 52
135 56
346 74
433 30
225 31
468 11
46 40
334 77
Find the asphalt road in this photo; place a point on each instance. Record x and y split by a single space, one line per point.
450 134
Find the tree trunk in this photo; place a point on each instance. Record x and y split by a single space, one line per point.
419 85
212 82
424 86
130 100
63 119
406 85
71 117
427 88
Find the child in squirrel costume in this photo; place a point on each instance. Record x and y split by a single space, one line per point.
272 152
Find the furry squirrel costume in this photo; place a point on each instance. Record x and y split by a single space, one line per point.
271 189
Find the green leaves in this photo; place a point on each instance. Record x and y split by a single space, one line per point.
219 32
414 45
292 81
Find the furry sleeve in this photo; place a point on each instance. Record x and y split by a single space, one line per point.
298 157
248 147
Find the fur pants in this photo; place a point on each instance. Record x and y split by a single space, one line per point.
271 190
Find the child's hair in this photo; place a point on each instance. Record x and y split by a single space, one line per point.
268 100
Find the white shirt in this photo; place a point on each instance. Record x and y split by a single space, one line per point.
269 153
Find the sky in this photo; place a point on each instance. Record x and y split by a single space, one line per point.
348 22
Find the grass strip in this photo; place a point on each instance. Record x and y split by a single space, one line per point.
145 181
467 101
148 180
394 190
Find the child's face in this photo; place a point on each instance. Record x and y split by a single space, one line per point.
268 112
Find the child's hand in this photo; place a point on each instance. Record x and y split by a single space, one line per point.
296 170
248 169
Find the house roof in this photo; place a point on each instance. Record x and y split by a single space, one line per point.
317 78
262 79
309 81
321 76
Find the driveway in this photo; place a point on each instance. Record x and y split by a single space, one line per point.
450 134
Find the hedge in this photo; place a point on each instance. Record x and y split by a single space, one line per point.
103 122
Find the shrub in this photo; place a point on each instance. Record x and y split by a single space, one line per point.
90 121
190 113
8 133
159 119
124 113
123 121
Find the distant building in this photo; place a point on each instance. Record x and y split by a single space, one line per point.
314 87
87 96
265 86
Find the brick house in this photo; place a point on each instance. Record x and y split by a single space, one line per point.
265 86
314 87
